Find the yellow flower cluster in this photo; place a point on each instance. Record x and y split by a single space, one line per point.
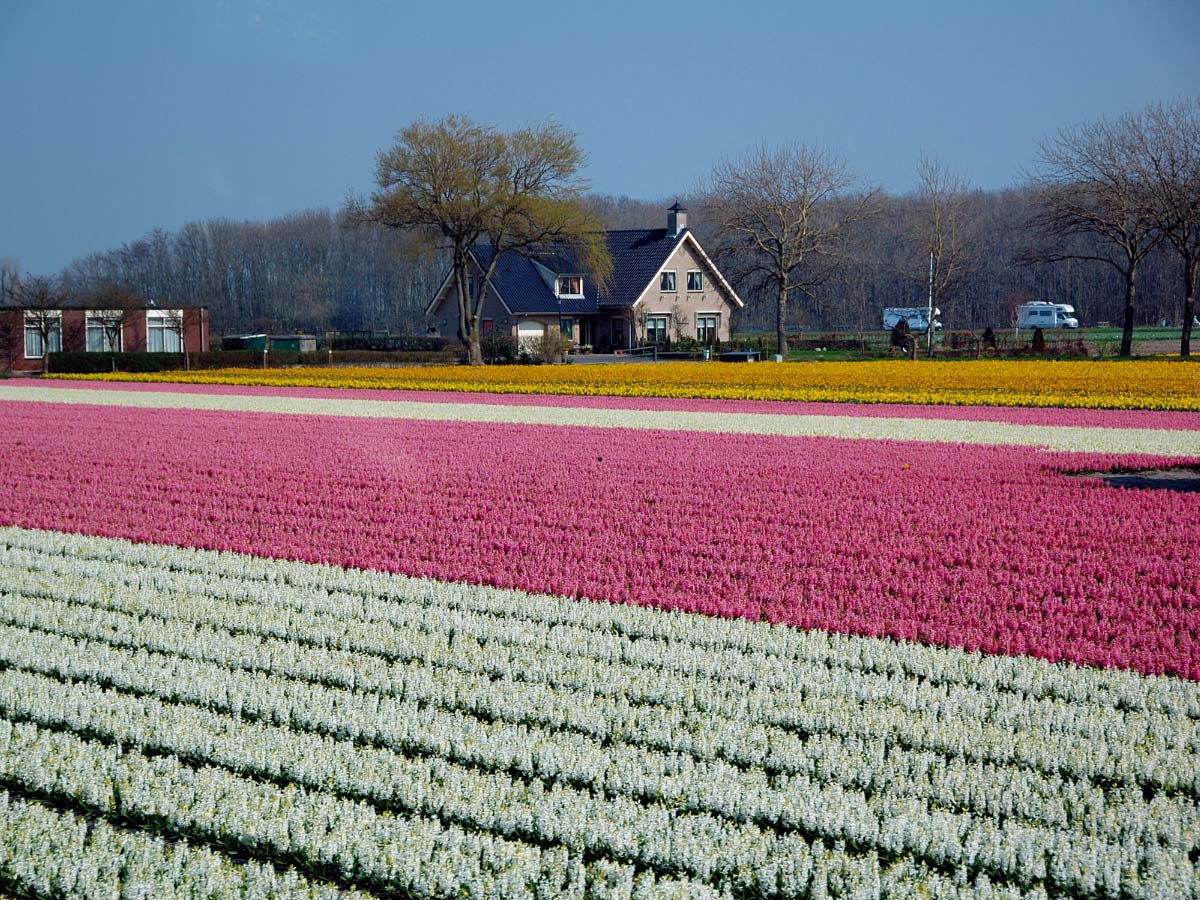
1149 384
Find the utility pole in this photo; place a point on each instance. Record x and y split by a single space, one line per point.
929 318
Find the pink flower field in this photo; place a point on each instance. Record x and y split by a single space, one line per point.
989 548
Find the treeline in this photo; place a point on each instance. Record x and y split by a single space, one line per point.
881 264
315 271
308 271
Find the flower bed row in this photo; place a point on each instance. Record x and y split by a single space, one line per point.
1148 384
1127 440
987 548
1079 417
387 763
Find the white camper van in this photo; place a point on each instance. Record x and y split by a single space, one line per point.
917 317
1041 314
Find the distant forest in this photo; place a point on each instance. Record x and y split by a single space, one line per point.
312 271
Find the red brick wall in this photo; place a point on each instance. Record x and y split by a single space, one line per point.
74 335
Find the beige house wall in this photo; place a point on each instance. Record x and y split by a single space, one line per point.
684 304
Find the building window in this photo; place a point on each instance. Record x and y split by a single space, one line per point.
164 331
666 281
37 325
104 332
695 281
706 327
570 286
618 332
656 329
567 327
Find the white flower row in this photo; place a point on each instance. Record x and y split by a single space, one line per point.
704 845
1159 752
894 428
344 839
557 652
350 841
45 853
616 768
368 595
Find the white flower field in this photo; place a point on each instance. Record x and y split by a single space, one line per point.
190 723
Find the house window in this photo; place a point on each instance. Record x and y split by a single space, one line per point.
695 281
38 324
104 332
164 331
570 286
567 327
618 332
666 281
706 327
656 329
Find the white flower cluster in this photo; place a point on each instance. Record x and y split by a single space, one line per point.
561 747
44 853
347 840
743 794
672 709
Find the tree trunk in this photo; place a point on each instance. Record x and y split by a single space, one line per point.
1127 326
474 348
1189 307
781 319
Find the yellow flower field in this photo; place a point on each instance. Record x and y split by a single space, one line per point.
1150 384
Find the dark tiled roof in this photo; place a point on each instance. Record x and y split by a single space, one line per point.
637 255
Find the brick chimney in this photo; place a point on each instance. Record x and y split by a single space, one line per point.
676 219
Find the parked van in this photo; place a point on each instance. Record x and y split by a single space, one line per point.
917 317
1041 314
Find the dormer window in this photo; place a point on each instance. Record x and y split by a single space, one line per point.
666 281
570 286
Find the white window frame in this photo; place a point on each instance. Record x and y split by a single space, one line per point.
662 277
664 319
567 295
716 324
161 315
54 337
700 277
102 318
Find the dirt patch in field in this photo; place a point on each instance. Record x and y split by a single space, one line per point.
1155 347
1174 478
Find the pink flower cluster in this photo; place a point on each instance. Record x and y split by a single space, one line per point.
989 548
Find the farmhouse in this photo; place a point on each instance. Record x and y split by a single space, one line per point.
663 286
27 335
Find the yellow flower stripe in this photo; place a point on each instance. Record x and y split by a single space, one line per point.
1149 384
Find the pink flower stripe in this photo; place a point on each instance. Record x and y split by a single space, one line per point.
980 547
1100 418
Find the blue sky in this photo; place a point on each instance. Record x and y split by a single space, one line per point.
119 117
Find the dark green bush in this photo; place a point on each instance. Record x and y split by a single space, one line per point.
77 363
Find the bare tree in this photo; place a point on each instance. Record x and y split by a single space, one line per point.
782 214
115 306
939 231
471 185
1089 186
41 300
1168 161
